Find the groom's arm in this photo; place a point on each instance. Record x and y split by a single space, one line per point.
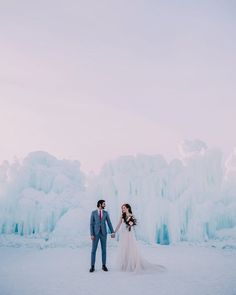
91 225
109 224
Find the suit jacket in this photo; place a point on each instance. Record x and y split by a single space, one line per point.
96 224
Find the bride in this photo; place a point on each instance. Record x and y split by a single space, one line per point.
129 257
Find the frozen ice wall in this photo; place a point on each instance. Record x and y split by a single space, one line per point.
228 214
189 199
182 200
36 193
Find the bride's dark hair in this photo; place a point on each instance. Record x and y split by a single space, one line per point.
129 209
131 220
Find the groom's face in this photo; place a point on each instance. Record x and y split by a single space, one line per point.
103 205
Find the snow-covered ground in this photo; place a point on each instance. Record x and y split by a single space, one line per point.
191 270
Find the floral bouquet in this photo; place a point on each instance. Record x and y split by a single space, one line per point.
130 221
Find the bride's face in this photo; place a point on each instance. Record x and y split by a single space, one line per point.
124 209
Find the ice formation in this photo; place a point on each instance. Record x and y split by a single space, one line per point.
185 200
188 199
35 194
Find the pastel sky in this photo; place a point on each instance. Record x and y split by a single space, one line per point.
93 80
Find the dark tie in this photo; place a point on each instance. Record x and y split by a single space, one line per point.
100 214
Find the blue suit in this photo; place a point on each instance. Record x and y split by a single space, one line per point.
98 229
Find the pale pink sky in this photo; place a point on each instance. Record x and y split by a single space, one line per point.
93 80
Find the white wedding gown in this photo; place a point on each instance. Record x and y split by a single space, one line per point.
129 257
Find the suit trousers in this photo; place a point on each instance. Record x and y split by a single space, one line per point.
103 240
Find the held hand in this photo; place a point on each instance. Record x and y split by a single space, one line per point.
92 238
113 235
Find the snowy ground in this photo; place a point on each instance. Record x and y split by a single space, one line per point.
64 271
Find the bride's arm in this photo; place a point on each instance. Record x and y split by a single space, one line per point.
118 225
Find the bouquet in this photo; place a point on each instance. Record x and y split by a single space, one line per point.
130 221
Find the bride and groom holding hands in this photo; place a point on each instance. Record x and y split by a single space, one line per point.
128 256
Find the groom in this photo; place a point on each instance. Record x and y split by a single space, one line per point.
98 231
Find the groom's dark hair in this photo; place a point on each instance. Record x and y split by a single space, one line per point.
100 202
